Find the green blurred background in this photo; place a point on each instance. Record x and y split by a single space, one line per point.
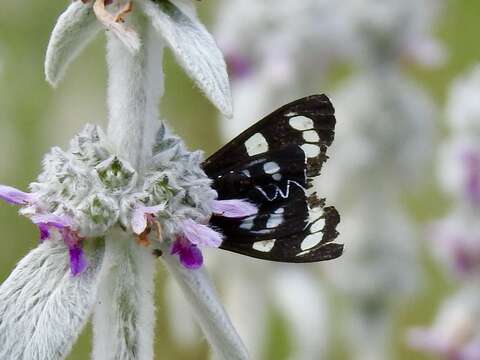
34 117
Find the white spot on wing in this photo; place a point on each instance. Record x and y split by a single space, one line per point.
246 225
264 246
310 150
314 214
257 144
246 173
303 253
280 210
311 136
271 167
318 225
274 220
310 241
301 123
277 177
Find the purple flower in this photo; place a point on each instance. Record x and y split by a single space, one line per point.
457 245
15 196
201 235
436 343
471 351
189 254
144 215
44 231
233 208
464 260
472 182
429 341
239 66
193 236
78 263
47 221
73 241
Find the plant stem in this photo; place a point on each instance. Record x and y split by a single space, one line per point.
134 89
125 314
209 312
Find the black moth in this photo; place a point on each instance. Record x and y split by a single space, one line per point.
272 164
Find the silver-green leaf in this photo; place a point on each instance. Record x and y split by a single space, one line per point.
43 308
75 28
195 50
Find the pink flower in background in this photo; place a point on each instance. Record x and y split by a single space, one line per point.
457 244
471 161
455 334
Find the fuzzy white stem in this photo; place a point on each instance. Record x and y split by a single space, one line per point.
134 89
125 314
210 314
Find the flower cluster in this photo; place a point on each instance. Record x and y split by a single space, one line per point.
455 333
85 191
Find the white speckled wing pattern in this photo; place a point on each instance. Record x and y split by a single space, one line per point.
272 164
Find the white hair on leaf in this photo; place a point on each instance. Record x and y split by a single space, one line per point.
209 312
43 308
195 50
182 323
75 28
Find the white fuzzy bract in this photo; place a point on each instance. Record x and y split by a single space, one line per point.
98 189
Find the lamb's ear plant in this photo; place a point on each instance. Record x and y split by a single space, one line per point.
114 201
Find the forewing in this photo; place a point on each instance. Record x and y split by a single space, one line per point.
308 123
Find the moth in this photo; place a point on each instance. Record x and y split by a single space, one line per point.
272 165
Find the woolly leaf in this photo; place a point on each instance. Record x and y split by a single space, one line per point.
207 309
43 308
75 28
195 50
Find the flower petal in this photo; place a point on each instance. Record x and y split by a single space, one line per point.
190 255
239 67
78 263
233 208
139 220
75 28
427 340
15 196
199 234
44 232
42 308
59 222
141 214
195 50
